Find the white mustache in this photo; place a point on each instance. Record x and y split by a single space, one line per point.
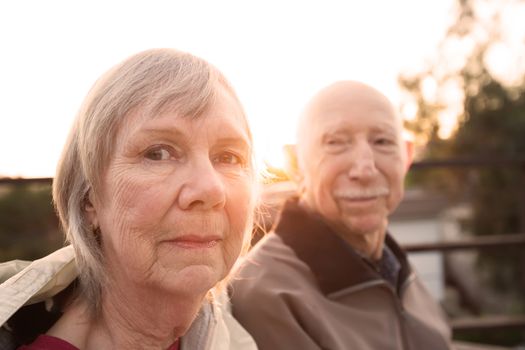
360 193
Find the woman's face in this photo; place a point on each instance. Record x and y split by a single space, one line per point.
176 199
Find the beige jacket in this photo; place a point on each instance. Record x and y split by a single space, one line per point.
302 287
25 283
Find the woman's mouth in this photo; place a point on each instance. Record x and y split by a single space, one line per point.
360 199
195 241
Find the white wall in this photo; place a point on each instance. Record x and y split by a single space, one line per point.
429 265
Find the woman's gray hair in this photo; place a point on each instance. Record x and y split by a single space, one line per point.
154 81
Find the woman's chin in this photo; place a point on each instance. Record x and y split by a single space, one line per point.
194 279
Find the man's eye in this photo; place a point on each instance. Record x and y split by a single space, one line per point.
158 153
383 141
335 145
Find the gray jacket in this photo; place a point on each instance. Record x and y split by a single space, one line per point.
304 288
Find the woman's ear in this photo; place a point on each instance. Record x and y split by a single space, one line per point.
89 208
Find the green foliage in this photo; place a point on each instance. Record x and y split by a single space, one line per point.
28 224
496 337
491 126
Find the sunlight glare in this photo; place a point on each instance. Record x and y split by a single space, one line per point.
447 124
409 111
275 69
275 157
429 89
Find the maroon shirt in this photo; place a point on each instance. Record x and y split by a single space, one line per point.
47 342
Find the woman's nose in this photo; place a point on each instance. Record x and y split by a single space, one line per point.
203 188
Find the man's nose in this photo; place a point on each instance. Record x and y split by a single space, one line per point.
363 165
203 187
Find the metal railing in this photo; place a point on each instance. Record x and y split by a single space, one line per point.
492 241
492 322
25 181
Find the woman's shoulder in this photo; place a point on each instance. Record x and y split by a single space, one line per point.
27 283
216 329
24 287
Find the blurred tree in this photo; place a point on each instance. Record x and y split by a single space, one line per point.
273 174
28 224
470 103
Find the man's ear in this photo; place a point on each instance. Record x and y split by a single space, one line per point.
409 149
89 208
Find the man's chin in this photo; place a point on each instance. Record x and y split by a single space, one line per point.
366 226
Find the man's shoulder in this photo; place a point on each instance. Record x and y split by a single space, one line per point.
270 246
269 266
270 256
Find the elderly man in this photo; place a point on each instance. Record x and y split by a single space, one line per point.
330 276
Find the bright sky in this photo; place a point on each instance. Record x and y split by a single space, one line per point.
276 53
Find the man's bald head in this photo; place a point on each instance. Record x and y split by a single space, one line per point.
344 95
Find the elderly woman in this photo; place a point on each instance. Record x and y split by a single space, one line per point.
155 194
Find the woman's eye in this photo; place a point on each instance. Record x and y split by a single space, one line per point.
228 158
158 153
334 142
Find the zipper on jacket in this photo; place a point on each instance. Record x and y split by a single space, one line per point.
404 314
401 312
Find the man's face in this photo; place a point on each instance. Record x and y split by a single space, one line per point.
353 159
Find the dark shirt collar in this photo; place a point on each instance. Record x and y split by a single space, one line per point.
388 266
334 263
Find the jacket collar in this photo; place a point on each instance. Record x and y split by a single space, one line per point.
333 262
35 282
